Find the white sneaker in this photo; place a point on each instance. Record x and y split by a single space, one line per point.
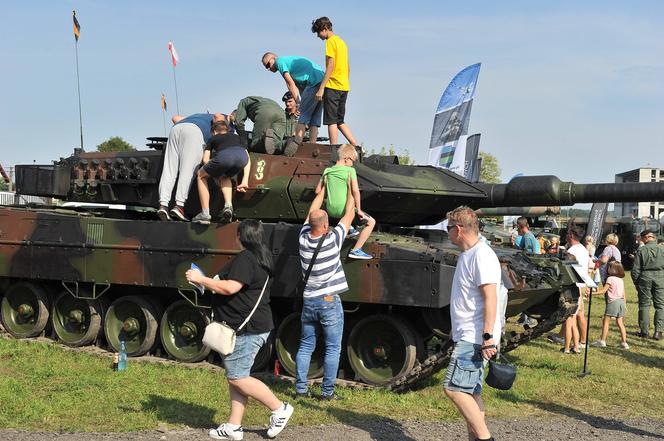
598 344
582 345
624 345
225 432
279 419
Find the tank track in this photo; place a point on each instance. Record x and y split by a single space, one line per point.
439 360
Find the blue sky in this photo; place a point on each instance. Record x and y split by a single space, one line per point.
574 89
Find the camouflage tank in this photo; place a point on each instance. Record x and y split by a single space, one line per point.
98 276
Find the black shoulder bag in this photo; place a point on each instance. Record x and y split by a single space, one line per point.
303 282
501 373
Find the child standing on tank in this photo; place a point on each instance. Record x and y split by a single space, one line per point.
228 159
335 180
614 296
334 87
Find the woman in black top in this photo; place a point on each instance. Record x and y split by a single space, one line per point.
239 287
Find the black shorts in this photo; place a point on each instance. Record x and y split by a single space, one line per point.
227 163
334 106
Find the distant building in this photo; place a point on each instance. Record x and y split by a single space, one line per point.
640 209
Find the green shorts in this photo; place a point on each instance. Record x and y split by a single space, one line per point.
615 308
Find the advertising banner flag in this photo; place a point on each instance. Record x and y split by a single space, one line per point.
451 121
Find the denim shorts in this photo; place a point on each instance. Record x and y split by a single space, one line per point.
238 363
465 372
311 111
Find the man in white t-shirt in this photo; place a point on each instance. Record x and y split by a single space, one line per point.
475 327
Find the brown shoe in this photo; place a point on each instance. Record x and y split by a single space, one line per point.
291 147
657 335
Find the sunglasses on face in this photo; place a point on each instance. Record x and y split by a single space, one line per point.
451 226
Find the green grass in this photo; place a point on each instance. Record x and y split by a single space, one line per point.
43 387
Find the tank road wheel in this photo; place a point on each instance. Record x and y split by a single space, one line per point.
382 347
287 343
24 310
181 332
134 320
77 322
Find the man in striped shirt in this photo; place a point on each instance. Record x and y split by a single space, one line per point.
322 310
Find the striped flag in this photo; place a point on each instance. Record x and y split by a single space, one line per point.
77 27
164 106
174 54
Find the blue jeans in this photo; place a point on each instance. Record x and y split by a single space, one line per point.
323 313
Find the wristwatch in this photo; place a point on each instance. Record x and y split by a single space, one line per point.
486 336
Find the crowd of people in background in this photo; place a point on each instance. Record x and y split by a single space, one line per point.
647 275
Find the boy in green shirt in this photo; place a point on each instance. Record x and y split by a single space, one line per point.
335 179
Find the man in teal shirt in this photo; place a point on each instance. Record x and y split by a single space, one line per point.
528 241
303 78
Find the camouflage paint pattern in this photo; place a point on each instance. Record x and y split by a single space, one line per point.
135 253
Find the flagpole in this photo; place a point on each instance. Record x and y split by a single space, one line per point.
177 100
163 114
78 86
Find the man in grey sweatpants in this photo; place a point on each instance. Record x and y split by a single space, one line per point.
184 151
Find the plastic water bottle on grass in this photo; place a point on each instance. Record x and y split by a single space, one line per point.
122 362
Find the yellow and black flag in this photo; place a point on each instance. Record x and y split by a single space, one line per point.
77 27
164 106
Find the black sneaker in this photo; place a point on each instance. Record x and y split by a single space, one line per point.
162 213
332 397
302 395
177 212
227 214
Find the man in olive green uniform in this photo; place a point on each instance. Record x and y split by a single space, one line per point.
648 277
292 114
269 120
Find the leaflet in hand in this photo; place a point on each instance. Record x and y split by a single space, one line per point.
198 286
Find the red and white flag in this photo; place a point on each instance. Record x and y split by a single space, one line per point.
174 54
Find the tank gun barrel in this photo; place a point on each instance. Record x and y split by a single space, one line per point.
518 211
549 190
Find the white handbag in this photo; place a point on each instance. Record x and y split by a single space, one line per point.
221 337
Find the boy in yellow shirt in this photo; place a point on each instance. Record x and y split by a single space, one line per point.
334 87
